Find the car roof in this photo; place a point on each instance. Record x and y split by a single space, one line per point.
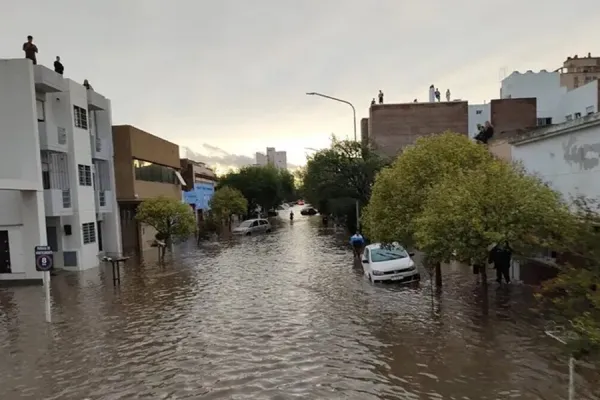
374 246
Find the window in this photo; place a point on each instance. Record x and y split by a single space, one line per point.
80 116
41 112
577 115
589 110
85 175
150 172
569 117
45 173
89 232
544 121
478 112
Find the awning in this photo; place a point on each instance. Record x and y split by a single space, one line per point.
181 180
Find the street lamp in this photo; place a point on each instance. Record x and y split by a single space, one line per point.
355 139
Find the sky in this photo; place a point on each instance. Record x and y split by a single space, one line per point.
225 79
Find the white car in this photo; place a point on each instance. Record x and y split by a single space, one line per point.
389 262
252 226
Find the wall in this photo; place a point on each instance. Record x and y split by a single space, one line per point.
201 195
123 161
280 159
570 162
478 114
508 115
394 126
18 127
543 85
364 131
146 190
577 101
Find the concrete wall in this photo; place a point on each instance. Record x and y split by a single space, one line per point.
394 126
580 100
543 85
364 131
512 114
570 161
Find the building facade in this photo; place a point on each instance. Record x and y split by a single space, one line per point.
391 127
146 167
577 71
200 181
56 185
272 157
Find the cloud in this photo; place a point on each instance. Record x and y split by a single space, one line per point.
218 158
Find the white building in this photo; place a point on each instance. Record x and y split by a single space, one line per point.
56 171
567 156
478 115
272 157
555 104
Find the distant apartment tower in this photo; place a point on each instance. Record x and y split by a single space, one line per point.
272 157
577 71
56 171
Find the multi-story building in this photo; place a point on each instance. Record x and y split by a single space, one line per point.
391 127
56 171
272 157
146 167
578 71
200 181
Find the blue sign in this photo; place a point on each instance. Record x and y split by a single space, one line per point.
200 196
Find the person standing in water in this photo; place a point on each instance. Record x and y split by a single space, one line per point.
357 241
291 216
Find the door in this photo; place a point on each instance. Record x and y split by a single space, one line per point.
99 225
254 227
130 233
4 253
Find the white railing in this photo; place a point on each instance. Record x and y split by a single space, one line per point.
62 135
66 198
102 198
98 144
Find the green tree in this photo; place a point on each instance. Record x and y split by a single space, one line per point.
467 213
264 186
335 178
573 297
170 217
227 202
400 191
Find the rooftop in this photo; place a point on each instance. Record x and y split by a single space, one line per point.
554 130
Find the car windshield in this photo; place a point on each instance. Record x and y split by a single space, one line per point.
388 254
246 224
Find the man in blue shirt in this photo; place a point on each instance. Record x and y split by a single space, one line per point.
357 241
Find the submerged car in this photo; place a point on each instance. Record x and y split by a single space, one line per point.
252 226
308 211
389 262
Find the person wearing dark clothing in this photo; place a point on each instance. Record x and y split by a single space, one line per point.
486 133
30 49
501 256
87 85
58 67
373 102
437 94
380 97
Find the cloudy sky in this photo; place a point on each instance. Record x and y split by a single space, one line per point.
228 78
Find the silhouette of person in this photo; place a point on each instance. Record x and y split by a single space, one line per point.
87 85
485 133
437 94
415 100
58 67
373 101
380 97
30 49
448 95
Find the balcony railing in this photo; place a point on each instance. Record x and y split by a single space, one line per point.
62 135
66 198
98 144
102 198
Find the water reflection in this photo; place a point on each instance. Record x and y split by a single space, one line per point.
278 316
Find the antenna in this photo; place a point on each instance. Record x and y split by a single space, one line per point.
502 73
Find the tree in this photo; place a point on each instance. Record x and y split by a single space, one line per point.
264 186
573 296
170 217
227 202
467 213
400 191
335 178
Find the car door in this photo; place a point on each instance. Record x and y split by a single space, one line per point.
262 225
366 257
255 227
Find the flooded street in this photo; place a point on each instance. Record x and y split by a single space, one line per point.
278 316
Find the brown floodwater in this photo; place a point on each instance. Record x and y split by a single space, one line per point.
280 316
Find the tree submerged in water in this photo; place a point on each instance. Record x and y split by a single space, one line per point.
171 218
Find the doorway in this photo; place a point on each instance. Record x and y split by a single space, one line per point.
99 225
4 253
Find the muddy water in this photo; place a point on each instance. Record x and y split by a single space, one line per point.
281 316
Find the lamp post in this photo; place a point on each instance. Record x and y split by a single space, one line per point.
355 138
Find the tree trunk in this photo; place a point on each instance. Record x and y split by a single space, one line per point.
438 274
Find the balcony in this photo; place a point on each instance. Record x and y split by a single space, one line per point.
103 201
96 102
52 137
57 202
47 81
100 148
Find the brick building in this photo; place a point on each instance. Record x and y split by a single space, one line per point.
391 127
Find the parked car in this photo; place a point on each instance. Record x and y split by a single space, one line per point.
300 202
252 226
389 263
308 211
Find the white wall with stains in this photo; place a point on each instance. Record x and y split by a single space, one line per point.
566 156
